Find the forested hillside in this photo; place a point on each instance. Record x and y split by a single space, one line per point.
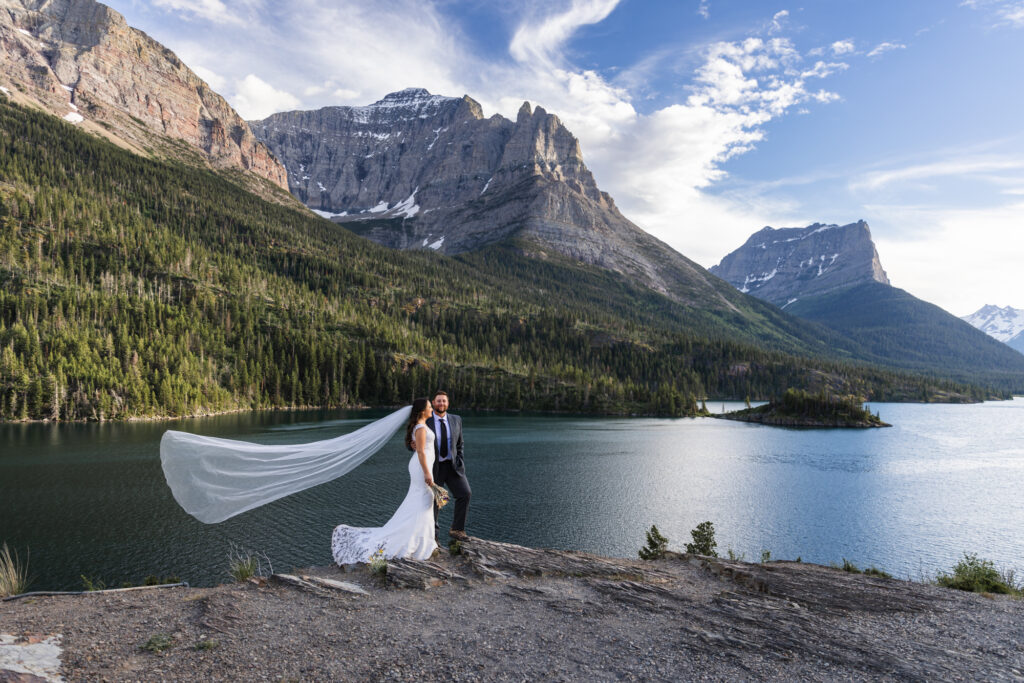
132 287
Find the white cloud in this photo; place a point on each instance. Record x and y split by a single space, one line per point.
778 20
959 167
1006 12
257 99
967 257
704 9
882 48
211 10
843 47
824 69
540 40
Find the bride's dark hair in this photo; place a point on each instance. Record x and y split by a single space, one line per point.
419 406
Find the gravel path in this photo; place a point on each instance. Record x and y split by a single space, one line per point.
507 613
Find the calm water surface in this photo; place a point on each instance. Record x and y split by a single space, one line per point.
91 499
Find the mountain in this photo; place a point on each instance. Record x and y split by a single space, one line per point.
132 286
422 171
832 275
783 265
79 60
1004 324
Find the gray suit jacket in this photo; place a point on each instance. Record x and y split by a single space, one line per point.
454 439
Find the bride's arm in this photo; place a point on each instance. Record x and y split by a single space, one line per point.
421 442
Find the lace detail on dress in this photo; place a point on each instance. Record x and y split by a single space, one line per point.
351 545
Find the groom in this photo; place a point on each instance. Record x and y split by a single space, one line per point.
449 466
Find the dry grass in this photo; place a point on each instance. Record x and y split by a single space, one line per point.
13 573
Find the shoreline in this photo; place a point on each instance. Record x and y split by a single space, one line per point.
284 409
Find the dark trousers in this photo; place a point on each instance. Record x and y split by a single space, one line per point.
445 474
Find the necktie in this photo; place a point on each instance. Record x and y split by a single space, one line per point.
444 441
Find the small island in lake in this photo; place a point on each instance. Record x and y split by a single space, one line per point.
798 408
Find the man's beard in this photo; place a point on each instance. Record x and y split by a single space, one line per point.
440 413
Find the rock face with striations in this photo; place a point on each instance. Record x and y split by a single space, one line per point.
786 264
80 60
416 170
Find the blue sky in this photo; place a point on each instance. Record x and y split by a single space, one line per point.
705 119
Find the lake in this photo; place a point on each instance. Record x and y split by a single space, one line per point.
90 499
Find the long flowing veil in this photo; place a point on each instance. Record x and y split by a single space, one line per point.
214 479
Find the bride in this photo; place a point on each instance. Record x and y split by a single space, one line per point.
410 531
215 479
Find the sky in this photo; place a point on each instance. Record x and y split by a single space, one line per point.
704 119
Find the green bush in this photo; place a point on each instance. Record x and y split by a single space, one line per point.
656 545
703 540
158 642
979 576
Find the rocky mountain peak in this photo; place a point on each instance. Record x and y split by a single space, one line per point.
415 170
782 265
79 60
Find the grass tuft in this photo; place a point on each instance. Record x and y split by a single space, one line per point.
244 565
13 573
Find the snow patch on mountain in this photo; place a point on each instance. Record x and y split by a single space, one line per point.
999 323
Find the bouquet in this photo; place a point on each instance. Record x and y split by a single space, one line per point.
440 495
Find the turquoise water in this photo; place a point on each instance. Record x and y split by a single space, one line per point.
90 498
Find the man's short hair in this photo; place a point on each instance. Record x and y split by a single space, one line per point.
440 392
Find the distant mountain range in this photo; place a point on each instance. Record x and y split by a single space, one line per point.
1005 324
832 275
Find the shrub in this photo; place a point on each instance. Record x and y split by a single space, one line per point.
158 642
979 576
13 574
656 545
703 540
766 556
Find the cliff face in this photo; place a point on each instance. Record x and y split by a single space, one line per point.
787 264
81 61
416 170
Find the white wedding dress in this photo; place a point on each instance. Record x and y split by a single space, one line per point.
410 531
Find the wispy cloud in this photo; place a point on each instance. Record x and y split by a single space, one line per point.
704 9
778 20
1005 12
959 167
540 40
211 10
882 48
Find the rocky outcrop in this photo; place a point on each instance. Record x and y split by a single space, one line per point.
81 61
517 613
422 171
787 264
1005 324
